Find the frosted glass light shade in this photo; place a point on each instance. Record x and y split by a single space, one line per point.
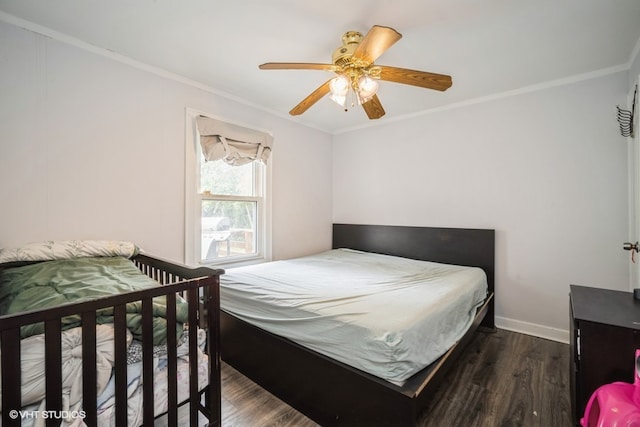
339 85
339 99
367 87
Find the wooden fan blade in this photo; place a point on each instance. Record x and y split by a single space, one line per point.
415 78
314 97
377 40
373 108
295 66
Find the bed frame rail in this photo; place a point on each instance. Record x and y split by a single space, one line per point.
199 286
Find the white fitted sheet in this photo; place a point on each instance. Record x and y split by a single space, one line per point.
385 315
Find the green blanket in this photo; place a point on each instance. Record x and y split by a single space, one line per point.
51 283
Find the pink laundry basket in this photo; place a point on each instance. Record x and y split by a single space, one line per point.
616 404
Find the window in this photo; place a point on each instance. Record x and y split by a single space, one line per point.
227 205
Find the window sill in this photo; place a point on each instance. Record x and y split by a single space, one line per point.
237 262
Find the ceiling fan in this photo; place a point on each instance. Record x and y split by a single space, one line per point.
357 75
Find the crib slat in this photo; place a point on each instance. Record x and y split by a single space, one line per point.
53 369
214 394
89 376
147 361
172 361
192 299
11 374
120 364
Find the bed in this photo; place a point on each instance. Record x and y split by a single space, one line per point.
341 389
106 335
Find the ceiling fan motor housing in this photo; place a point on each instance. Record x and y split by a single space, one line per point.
350 41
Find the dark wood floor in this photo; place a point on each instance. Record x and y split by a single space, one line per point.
503 379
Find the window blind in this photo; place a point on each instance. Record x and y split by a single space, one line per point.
235 145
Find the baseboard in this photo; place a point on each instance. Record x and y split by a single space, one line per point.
540 331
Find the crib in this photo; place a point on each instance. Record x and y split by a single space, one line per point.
195 358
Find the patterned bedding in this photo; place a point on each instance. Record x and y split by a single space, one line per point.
33 389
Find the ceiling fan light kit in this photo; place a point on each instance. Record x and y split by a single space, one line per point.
357 76
362 87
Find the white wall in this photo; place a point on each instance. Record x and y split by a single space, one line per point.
547 169
634 68
91 147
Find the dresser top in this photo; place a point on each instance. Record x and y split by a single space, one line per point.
605 306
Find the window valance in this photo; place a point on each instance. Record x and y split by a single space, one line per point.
235 145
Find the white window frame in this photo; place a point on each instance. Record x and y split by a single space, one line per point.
193 201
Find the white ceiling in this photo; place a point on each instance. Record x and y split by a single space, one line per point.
488 47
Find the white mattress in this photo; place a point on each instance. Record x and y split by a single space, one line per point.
385 315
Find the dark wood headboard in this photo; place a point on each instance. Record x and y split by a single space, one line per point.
459 246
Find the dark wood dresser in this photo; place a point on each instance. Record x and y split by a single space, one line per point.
605 333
